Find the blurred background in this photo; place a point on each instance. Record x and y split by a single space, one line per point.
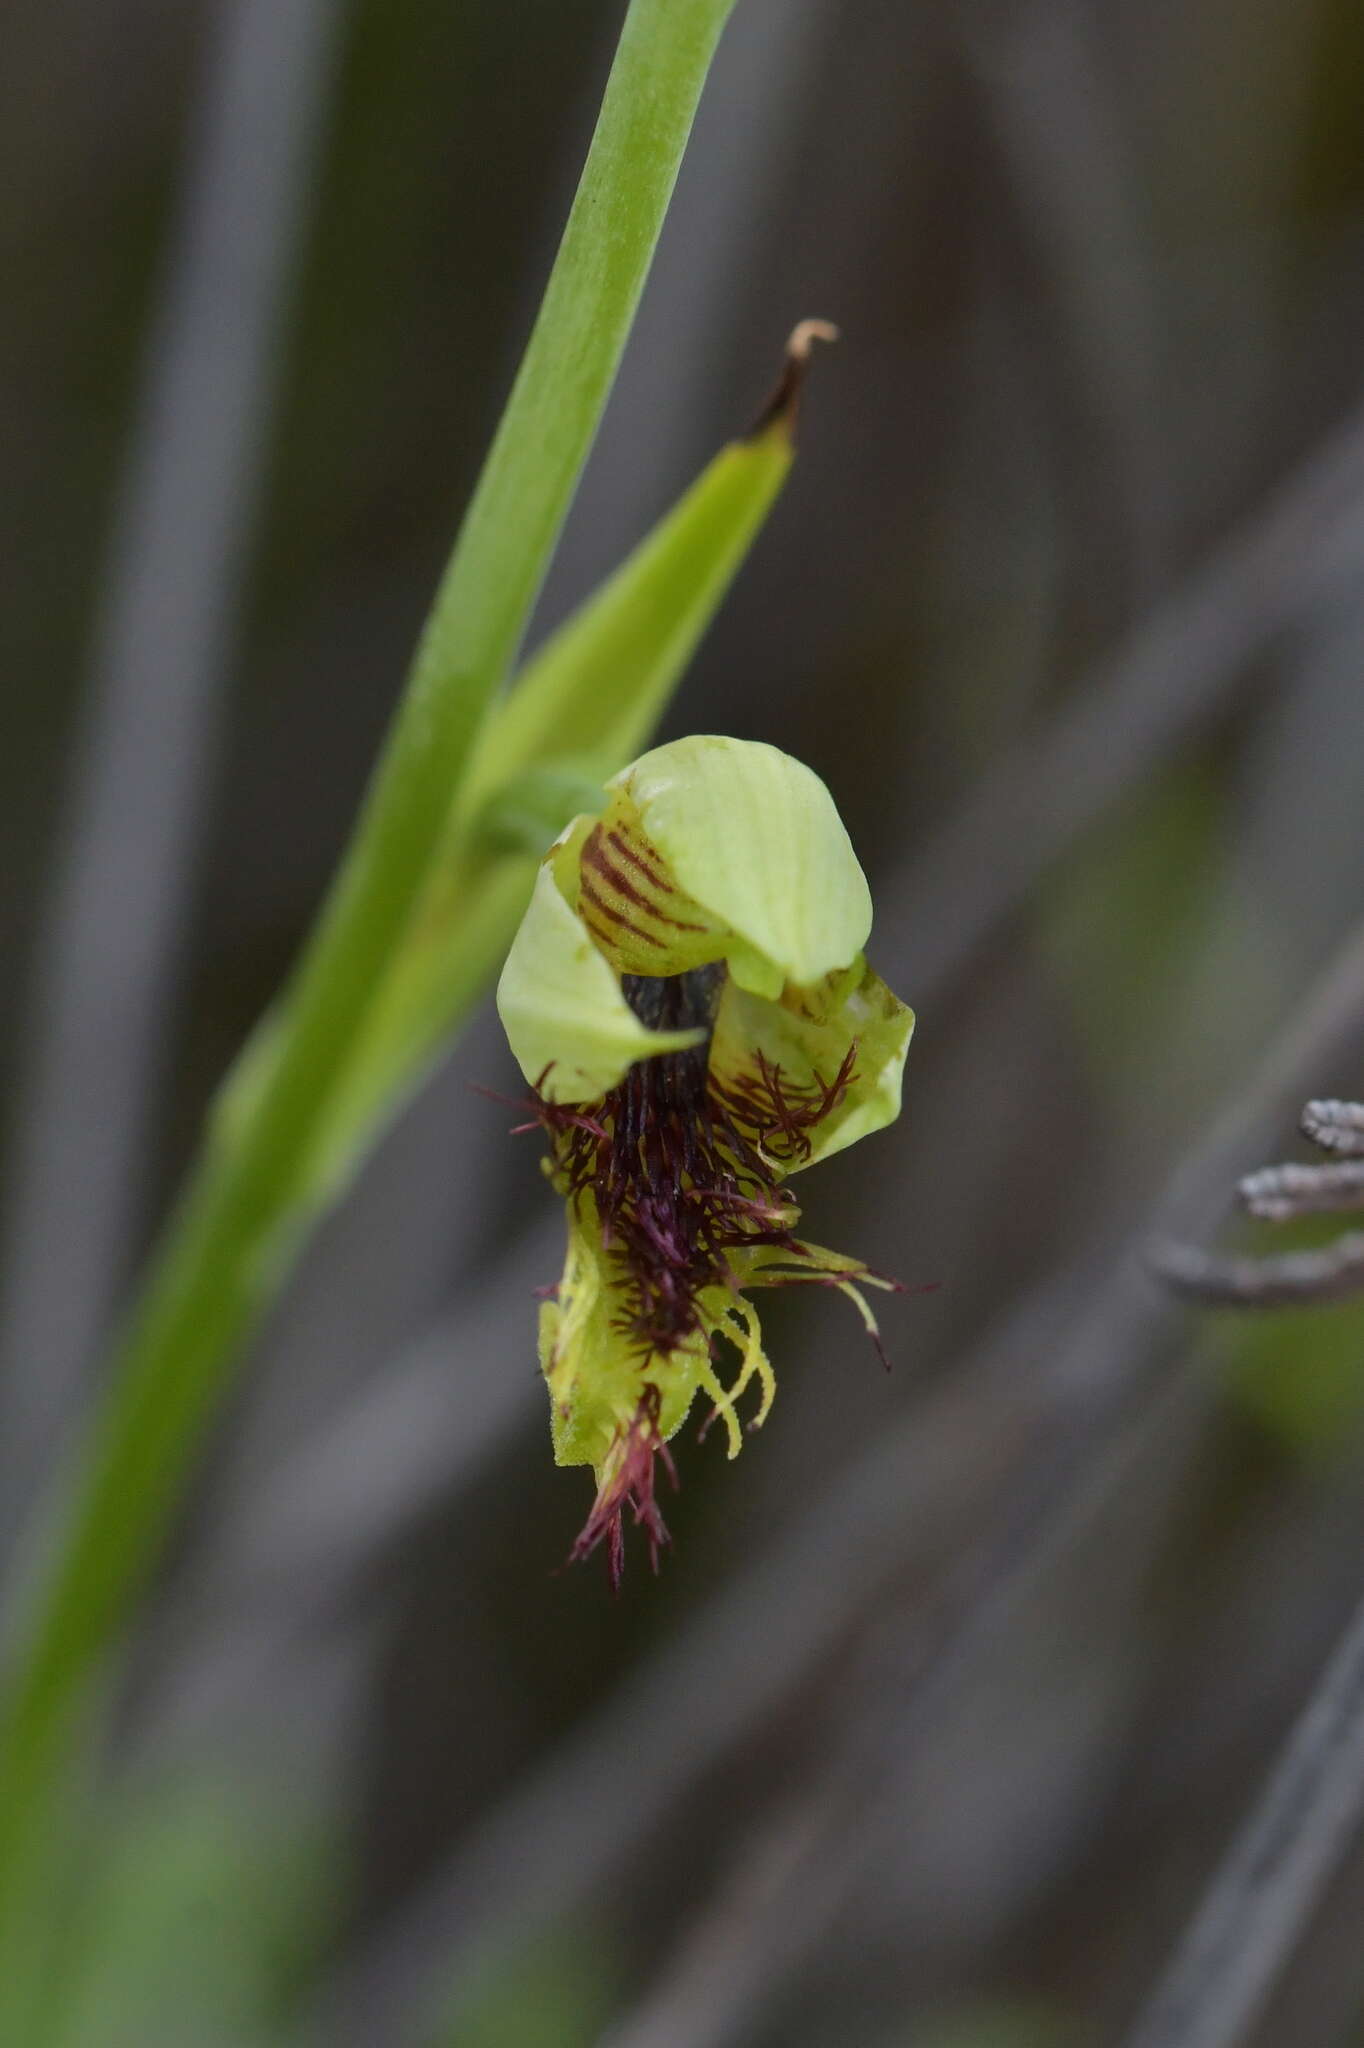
952 1690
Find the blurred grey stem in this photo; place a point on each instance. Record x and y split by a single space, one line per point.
1172 675
1261 1899
1056 127
110 950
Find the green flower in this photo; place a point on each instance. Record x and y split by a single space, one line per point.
688 999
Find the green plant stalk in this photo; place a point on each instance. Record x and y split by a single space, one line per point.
232 1236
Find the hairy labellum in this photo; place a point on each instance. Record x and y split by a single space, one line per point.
682 1170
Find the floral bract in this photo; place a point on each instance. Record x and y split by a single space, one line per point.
688 999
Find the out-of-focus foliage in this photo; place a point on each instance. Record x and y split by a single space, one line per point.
1133 924
203 1898
1003 2023
1098 270
1302 1376
559 1995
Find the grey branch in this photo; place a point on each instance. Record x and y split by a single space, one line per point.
1335 1126
1278 1193
1290 1280
1332 1272
1261 1898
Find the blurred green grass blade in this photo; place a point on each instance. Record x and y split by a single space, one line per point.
230 1242
205 1902
558 1991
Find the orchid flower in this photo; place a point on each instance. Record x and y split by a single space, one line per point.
688 999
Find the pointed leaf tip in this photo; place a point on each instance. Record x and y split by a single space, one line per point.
783 407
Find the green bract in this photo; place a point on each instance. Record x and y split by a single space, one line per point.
688 999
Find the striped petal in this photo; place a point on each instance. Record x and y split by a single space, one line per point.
627 897
753 838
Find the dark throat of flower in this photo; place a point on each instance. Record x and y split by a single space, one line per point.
677 1002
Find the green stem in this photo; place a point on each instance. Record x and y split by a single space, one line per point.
231 1240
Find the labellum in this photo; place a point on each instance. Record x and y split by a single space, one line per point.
688 998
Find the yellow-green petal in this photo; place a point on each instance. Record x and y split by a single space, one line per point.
592 1365
571 1031
807 1035
754 836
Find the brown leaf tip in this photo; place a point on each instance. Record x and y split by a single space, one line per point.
784 404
